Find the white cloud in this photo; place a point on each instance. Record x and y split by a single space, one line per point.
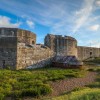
6 22
97 2
30 23
94 27
83 14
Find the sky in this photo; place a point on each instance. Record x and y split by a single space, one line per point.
77 18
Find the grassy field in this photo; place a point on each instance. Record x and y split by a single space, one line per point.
32 83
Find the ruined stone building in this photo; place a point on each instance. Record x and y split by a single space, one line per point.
61 45
18 49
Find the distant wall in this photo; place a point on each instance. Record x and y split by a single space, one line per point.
36 56
86 52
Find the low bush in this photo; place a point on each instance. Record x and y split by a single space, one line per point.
16 93
2 96
84 94
94 85
37 90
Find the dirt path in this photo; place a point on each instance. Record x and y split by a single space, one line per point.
69 84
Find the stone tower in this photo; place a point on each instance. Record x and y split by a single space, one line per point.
10 38
61 45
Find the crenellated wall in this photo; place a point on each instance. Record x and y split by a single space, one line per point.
37 56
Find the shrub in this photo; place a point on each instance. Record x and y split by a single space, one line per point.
37 91
16 93
1 93
2 96
84 94
6 88
90 69
45 89
94 85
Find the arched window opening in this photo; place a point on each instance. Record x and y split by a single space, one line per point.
33 42
90 54
12 33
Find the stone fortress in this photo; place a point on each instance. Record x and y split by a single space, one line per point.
18 49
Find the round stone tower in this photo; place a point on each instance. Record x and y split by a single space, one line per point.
62 46
70 45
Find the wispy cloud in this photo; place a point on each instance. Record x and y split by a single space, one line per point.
97 2
94 27
83 14
6 22
30 23
65 17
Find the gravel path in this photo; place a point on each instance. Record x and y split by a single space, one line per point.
69 84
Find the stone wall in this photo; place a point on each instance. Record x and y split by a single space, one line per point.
8 58
37 56
8 47
87 52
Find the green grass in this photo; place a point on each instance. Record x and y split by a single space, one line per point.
94 68
95 60
33 83
96 84
84 94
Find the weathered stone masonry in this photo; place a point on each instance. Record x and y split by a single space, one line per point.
87 52
61 45
18 49
37 56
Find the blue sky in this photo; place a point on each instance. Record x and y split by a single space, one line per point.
77 18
